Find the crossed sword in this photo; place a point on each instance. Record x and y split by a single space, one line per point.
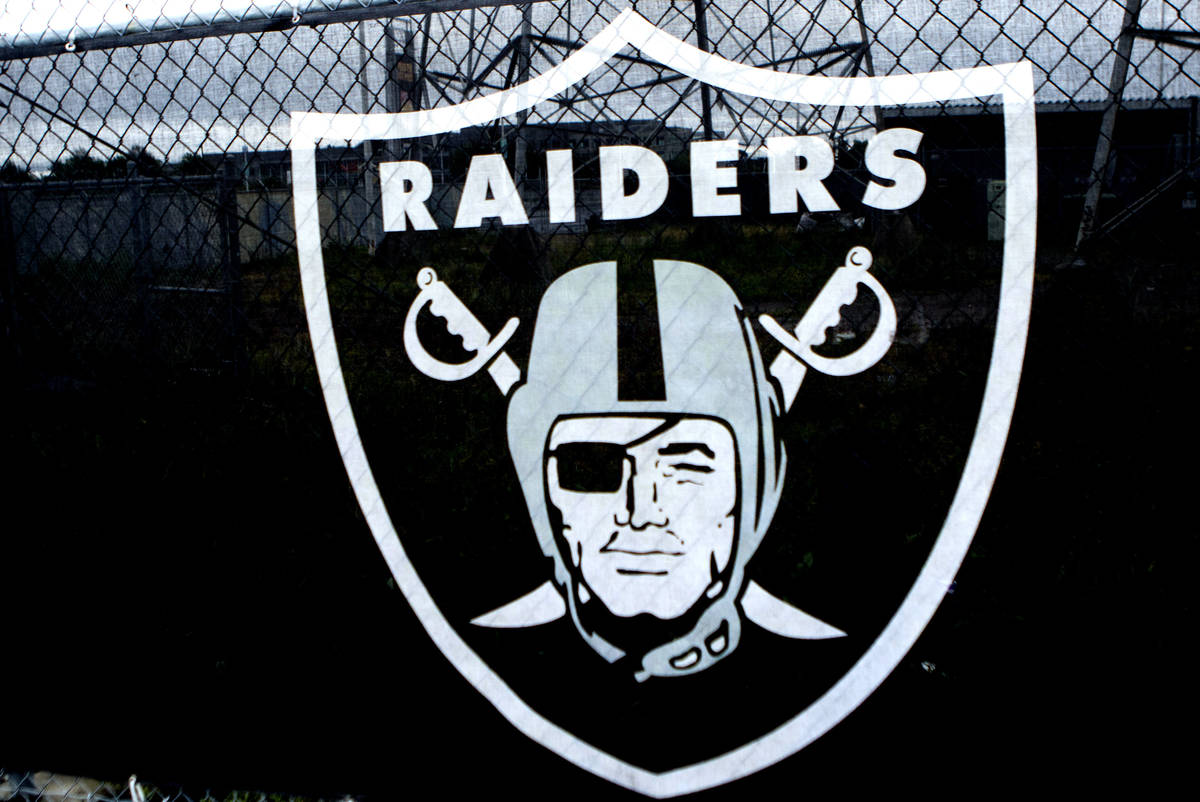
545 604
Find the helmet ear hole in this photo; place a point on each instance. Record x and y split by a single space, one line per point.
687 659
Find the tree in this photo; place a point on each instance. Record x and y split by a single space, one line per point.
79 164
194 164
13 173
139 157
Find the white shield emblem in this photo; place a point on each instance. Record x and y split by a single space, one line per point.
561 425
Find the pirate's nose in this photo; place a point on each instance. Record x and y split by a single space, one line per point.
642 503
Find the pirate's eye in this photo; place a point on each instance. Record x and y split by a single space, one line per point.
688 466
590 467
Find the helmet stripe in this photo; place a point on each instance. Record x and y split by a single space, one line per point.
639 339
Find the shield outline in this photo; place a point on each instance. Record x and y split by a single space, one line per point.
1013 83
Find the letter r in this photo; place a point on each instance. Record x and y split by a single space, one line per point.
404 187
786 181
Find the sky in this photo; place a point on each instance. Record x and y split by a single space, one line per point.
234 93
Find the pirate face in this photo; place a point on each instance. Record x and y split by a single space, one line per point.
648 509
636 374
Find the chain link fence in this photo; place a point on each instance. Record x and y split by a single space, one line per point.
148 247
145 187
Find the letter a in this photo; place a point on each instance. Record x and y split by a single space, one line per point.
488 175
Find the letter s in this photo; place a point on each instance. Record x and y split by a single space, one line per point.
883 160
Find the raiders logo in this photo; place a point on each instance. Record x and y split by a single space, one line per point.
638 631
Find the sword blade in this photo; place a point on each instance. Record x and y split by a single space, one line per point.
544 604
775 615
540 606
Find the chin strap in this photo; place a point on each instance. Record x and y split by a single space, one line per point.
714 636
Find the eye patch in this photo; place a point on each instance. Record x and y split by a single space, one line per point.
590 467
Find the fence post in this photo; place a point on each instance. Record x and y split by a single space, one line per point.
705 91
391 93
231 262
520 146
8 256
142 270
373 224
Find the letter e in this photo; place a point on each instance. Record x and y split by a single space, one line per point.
707 178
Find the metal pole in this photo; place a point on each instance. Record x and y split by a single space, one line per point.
386 9
868 62
370 187
389 59
1108 122
705 91
522 55
421 98
231 261
1193 127
142 268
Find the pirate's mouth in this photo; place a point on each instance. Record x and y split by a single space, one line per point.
659 542
641 552
643 561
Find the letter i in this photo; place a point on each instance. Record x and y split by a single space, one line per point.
560 186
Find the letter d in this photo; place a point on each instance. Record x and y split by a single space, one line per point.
651 176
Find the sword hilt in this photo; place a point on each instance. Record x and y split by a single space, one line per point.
825 311
475 337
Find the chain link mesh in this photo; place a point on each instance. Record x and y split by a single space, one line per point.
147 235
129 173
